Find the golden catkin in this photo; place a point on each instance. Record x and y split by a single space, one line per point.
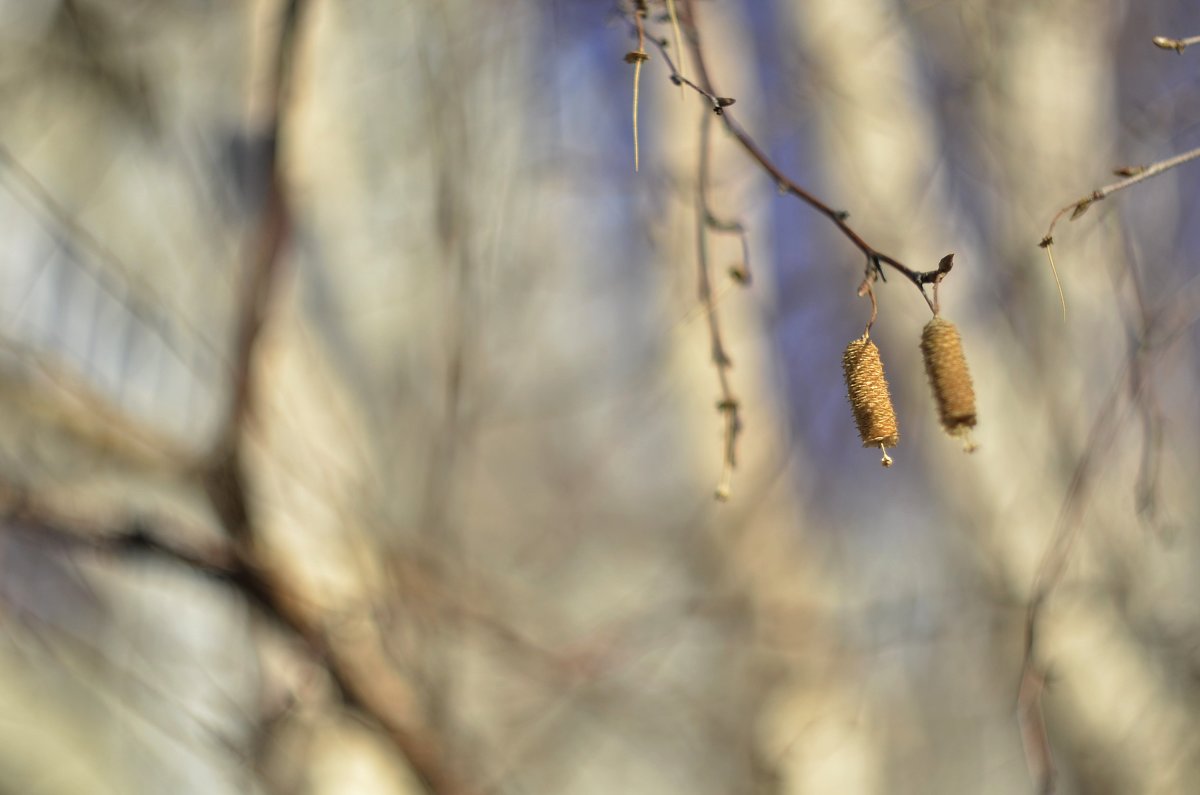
868 392
946 367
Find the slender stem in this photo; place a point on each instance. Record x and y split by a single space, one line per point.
637 78
637 58
1062 299
728 404
1080 206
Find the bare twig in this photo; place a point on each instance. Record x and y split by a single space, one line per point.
728 405
1135 175
720 105
1048 245
1077 208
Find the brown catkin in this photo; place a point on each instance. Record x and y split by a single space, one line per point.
868 392
946 367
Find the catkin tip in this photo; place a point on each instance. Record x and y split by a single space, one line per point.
946 366
867 390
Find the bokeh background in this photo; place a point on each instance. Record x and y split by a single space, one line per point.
480 442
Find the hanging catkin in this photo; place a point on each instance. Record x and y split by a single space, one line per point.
868 392
946 367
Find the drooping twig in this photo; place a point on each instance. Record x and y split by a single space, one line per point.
728 405
867 288
720 105
1048 245
637 58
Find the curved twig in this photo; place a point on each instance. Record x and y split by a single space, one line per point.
1132 176
720 105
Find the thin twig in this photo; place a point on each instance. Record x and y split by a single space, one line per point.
867 289
1062 299
1133 175
728 405
637 58
720 105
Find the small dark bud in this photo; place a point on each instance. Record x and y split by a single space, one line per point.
636 57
